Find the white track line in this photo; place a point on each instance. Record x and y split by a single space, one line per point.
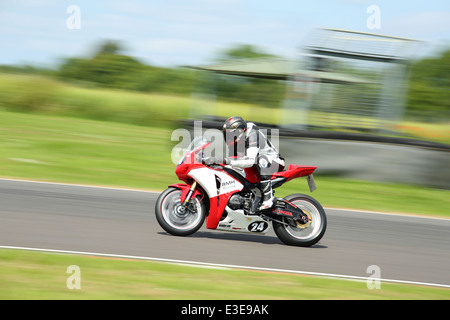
216 265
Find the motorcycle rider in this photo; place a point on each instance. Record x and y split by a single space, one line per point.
248 146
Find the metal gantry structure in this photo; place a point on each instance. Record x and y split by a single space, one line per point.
341 80
372 98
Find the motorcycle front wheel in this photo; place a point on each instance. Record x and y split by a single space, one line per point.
294 233
176 219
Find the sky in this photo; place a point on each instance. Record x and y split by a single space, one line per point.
193 32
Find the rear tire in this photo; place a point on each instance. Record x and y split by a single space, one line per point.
303 235
173 219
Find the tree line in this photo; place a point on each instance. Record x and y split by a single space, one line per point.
108 67
428 94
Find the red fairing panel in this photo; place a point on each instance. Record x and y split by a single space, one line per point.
252 175
190 163
295 171
217 207
184 190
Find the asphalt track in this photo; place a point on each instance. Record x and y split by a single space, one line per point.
122 222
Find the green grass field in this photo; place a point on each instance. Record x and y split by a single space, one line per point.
32 275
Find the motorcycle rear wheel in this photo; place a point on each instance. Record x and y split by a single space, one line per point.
173 218
304 235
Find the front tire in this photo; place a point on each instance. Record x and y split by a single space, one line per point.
173 219
303 235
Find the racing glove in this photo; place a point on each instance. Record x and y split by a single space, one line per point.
208 161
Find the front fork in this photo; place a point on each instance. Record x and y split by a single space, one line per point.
189 195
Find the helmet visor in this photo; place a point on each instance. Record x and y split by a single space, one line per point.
232 136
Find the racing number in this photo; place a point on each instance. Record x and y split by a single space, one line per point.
258 226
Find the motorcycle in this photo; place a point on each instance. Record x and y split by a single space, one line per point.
229 200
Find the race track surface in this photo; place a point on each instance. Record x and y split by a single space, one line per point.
114 221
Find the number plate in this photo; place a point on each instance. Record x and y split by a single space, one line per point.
311 183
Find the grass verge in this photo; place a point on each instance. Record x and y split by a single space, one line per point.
31 275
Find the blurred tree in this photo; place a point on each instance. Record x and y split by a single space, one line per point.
243 51
110 68
429 91
107 67
110 47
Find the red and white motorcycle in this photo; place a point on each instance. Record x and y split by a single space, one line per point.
229 201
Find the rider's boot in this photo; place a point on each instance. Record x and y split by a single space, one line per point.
266 188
